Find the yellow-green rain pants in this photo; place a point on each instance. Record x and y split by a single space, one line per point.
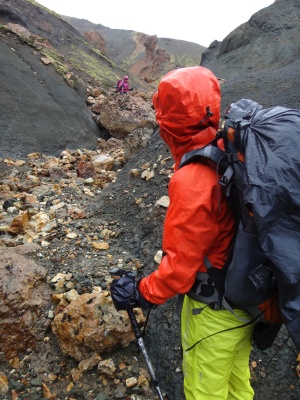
218 367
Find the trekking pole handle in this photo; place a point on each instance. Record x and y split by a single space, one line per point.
141 345
134 324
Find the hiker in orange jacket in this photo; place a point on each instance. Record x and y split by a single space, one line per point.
198 231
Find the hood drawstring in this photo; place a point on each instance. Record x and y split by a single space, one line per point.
208 115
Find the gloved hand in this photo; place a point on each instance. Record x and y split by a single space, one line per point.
125 292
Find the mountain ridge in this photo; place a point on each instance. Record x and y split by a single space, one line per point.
128 48
269 75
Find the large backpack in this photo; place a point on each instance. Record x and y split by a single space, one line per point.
262 273
119 85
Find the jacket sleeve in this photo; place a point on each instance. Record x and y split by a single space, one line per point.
190 230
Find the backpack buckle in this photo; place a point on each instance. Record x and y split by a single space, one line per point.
215 305
232 157
226 177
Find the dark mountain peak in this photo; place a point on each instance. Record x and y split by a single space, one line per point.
270 39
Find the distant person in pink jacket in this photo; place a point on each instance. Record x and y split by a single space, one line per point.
123 86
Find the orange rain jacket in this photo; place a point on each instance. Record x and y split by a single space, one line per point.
198 223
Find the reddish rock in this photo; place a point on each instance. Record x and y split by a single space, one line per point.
25 298
90 324
86 170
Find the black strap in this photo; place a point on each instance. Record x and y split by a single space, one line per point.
208 152
230 165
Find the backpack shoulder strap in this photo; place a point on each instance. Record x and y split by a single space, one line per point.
224 161
208 152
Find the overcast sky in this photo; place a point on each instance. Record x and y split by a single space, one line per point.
198 21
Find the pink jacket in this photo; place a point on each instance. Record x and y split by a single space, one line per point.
124 85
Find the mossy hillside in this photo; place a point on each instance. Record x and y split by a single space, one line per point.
78 65
96 66
83 60
184 60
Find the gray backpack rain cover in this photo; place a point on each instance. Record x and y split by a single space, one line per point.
270 141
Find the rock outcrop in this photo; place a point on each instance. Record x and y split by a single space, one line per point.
91 325
128 118
155 60
97 40
25 299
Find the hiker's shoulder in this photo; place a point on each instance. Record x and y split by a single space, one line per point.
198 174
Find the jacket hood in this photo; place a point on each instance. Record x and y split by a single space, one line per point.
187 105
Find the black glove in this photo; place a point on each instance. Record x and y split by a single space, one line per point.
125 292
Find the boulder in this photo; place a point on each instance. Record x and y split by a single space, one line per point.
25 298
91 325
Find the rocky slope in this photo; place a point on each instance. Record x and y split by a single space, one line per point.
269 40
44 77
263 53
81 224
40 112
69 51
50 64
76 218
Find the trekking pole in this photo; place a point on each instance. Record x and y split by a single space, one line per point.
140 341
120 289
